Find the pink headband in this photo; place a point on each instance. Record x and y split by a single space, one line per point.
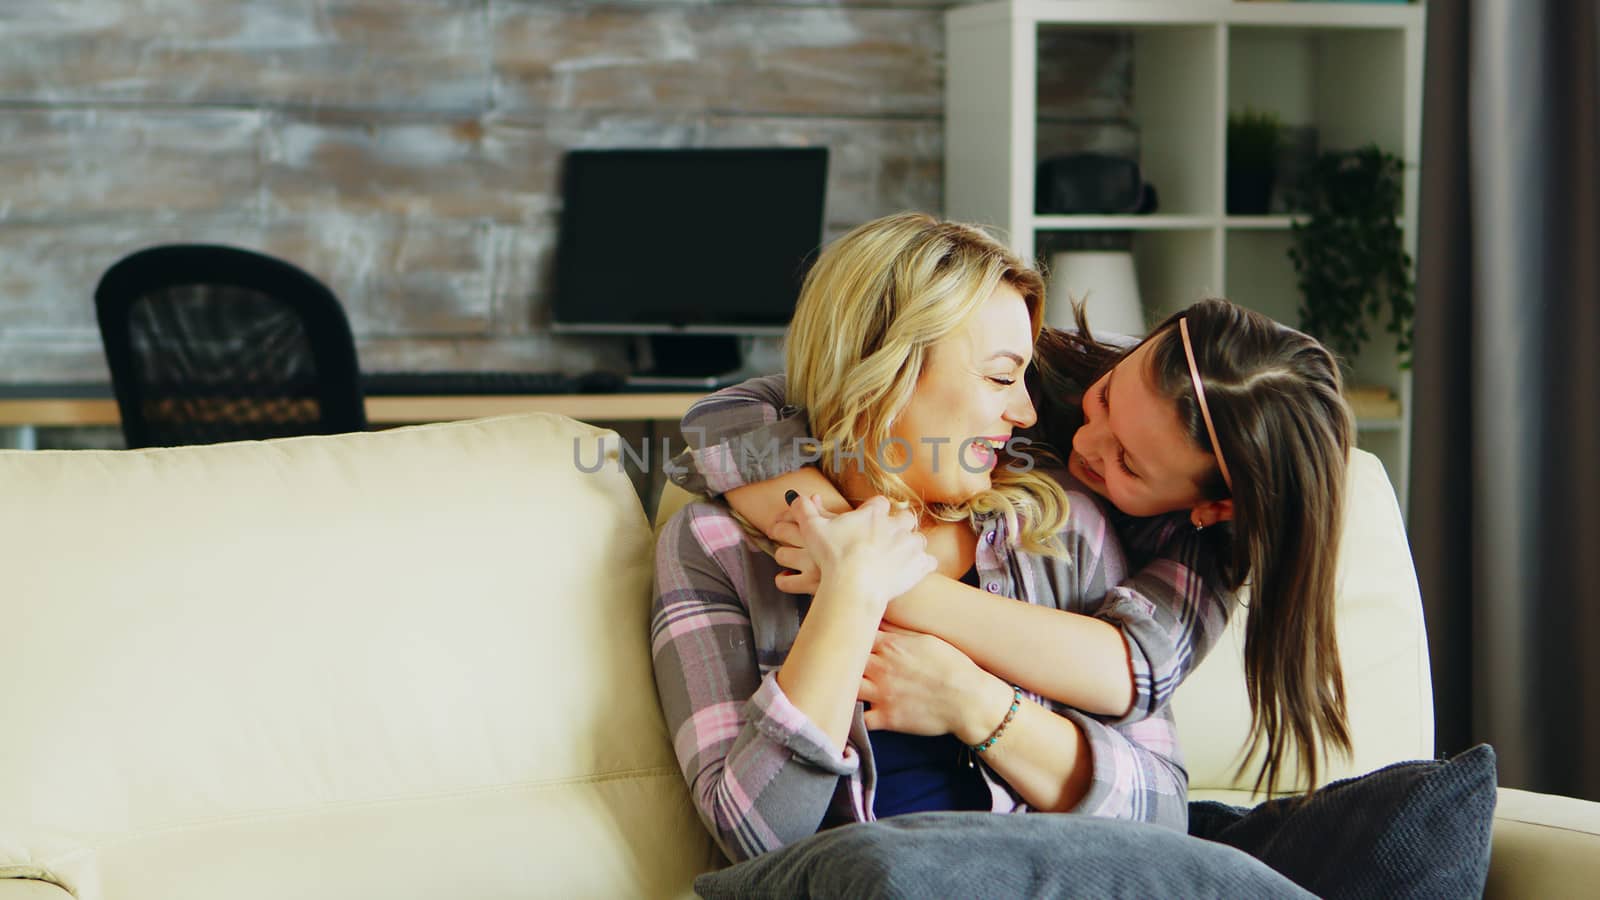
1200 394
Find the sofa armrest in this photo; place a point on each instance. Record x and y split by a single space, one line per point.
1544 846
30 889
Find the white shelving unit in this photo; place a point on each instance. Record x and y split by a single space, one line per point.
1351 70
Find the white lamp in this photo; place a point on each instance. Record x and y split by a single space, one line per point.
1105 281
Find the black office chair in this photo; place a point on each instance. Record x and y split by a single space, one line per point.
209 344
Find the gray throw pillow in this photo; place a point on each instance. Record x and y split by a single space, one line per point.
1410 830
981 854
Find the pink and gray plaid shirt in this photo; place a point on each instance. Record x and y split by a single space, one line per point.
763 775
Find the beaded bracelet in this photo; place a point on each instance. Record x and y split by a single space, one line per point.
1016 703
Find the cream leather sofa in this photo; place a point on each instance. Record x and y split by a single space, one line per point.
415 664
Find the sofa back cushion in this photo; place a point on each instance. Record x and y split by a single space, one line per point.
403 664
1383 649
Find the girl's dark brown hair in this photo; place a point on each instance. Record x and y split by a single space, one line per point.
1285 429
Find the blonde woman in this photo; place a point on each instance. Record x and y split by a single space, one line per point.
790 713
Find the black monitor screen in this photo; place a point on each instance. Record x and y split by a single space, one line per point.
695 239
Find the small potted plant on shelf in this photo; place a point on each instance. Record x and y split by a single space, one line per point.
1348 251
1254 139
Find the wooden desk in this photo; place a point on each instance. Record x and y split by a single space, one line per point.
622 407
20 417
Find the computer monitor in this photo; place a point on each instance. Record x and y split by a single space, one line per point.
693 247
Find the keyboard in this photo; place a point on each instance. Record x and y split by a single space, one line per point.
437 384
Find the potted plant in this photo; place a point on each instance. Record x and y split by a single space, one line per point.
1254 139
1348 251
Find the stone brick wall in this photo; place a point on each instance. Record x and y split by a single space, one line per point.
406 151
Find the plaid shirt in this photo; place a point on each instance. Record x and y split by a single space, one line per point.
1171 611
763 775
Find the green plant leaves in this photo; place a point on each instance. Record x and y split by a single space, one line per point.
1253 139
1349 252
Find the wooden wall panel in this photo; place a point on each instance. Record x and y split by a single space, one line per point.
819 60
1085 75
508 169
524 256
71 164
52 359
1085 93
394 276
458 169
386 54
49 270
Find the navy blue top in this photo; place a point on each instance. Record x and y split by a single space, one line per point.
917 773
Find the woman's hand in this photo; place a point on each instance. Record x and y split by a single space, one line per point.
786 530
870 550
918 684
802 575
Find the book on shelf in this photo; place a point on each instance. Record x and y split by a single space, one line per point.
1372 401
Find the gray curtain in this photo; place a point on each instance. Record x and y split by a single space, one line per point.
1505 473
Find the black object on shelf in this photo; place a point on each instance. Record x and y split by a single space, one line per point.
1091 183
1255 140
1249 190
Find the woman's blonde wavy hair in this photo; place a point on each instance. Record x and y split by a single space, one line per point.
872 307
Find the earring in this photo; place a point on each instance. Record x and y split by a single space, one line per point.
1198 525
